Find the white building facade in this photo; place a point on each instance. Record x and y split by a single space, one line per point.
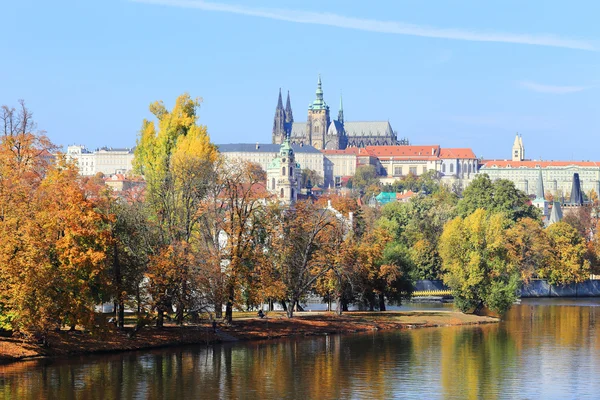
307 156
557 175
106 160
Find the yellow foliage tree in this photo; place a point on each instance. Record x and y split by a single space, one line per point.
568 263
477 265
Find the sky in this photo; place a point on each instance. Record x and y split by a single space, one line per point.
463 73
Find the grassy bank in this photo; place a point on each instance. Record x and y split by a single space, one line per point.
244 327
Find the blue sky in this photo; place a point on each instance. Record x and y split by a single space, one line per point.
459 74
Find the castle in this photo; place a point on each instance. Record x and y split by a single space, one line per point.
323 133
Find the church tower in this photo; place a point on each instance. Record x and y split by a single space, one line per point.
289 116
283 174
279 131
318 119
518 150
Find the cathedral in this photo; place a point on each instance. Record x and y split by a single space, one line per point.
323 133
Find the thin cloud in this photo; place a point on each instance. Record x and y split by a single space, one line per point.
371 25
540 88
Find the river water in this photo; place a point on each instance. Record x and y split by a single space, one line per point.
545 349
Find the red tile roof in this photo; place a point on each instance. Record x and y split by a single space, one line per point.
457 153
538 164
408 194
411 152
350 150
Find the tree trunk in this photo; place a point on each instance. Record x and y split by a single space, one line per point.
338 305
284 305
121 316
270 304
160 319
344 304
179 315
218 309
229 305
138 299
298 306
381 302
290 309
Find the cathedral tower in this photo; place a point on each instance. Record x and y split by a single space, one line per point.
318 119
279 131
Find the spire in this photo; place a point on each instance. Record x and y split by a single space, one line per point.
517 141
279 101
318 103
289 116
539 189
341 111
319 91
555 214
576 195
279 122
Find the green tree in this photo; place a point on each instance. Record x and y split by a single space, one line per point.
312 176
476 263
498 196
365 176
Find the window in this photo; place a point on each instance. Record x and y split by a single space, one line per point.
412 170
444 168
281 194
424 169
283 171
397 171
451 168
273 183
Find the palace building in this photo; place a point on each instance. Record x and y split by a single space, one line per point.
557 175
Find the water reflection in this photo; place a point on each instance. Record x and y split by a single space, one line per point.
544 349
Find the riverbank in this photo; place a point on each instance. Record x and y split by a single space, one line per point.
275 325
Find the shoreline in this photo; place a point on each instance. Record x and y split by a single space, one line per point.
275 326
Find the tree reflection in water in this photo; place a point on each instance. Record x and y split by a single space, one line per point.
543 349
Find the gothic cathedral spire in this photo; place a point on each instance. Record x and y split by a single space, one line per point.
289 116
341 111
279 132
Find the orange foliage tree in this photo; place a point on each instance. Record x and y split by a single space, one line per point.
52 268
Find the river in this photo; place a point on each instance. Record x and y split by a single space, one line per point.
546 349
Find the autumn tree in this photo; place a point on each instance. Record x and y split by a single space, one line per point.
303 244
568 263
383 268
53 258
476 263
529 246
52 252
241 202
176 157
